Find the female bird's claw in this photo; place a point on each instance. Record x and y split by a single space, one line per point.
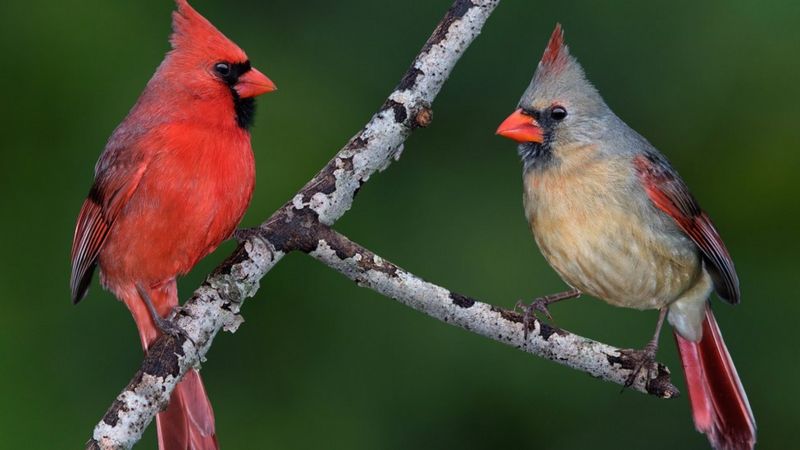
643 360
540 305
529 313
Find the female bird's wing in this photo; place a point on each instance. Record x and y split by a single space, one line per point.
671 195
118 173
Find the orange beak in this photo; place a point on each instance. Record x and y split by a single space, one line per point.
254 83
521 128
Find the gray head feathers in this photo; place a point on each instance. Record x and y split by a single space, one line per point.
560 78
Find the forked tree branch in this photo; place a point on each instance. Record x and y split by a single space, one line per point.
303 224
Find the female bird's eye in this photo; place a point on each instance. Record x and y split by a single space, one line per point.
558 113
223 69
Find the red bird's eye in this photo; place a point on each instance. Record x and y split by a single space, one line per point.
223 69
558 113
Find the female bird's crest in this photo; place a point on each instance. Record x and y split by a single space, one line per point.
194 35
559 78
557 70
556 55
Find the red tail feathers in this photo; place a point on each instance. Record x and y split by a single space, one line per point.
719 403
188 422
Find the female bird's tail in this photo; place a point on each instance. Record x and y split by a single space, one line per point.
719 403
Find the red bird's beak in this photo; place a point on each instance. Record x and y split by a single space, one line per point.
254 83
521 128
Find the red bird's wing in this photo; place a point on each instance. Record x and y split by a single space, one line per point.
90 233
118 173
671 195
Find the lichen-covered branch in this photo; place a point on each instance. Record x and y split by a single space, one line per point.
215 305
597 359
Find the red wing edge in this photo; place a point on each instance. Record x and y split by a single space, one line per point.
90 234
671 195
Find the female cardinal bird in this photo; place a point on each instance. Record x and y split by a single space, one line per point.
616 221
172 183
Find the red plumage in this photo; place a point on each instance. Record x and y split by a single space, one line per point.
719 404
556 54
172 183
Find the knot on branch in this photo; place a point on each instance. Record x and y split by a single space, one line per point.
423 118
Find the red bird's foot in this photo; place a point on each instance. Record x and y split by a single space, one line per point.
166 326
643 360
541 305
243 234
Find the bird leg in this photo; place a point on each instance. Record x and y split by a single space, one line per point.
644 358
540 304
166 326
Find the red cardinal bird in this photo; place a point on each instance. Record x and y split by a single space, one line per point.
172 183
616 221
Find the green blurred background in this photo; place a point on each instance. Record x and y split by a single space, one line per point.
321 363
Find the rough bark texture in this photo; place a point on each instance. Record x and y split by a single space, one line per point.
597 359
214 306
302 224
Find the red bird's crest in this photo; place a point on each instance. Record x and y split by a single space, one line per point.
194 34
556 55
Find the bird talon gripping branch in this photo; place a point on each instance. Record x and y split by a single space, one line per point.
529 314
643 360
170 328
527 317
167 325
541 305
